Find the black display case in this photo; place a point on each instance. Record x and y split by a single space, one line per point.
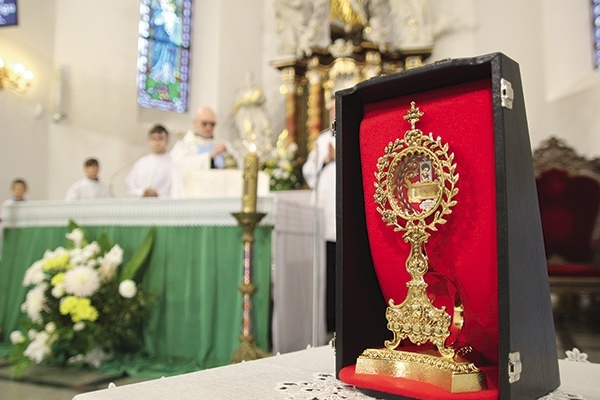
492 247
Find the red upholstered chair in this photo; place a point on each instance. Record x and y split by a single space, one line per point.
569 195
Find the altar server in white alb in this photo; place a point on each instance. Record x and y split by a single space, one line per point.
151 175
319 174
199 150
88 187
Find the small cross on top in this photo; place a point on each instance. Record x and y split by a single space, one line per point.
413 115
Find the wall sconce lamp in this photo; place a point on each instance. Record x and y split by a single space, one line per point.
18 78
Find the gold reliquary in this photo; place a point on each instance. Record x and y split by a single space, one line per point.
442 288
416 185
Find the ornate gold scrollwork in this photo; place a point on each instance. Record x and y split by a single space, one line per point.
415 190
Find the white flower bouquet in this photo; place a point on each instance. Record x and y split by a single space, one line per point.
82 305
282 168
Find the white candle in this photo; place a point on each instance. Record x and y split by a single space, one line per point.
250 181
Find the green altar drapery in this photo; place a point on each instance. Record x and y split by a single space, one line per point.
194 271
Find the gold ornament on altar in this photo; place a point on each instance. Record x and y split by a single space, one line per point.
415 190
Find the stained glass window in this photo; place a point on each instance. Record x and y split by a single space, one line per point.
164 54
596 26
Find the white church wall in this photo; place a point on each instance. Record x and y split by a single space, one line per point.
271 77
96 42
552 42
572 85
478 27
24 118
104 119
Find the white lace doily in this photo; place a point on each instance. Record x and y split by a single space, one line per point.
576 355
327 387
322 387
560 395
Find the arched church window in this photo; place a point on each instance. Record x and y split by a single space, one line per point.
164 54
596 30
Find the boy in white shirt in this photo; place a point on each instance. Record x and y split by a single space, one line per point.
88 187
150 176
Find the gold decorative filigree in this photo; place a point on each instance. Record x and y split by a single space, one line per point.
415 190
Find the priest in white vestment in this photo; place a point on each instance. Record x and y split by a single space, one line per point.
151 175
198 150
88 187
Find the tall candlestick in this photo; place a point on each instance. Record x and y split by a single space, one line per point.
250 181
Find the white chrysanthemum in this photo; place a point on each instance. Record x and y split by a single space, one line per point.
91 250
39 347
285 164
53 254
81 281
290 151
78 326
127 288
34 302
106 270
17 337
50 327
109 263
115 255
34 274
96 357
77 257
76 236
58 290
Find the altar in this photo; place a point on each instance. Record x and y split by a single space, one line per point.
306 374
194 270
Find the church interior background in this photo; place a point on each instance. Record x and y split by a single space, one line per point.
271 65
82 100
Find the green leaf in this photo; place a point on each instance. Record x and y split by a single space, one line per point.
72 226
104 242
139 257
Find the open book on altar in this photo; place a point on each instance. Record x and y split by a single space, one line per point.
221 183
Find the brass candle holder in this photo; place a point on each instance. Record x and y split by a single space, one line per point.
248 349
248 219
415 191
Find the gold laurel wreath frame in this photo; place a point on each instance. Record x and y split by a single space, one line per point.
416 318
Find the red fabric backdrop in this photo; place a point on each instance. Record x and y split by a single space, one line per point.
464 250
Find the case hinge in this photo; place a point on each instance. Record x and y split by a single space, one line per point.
514 367
506 93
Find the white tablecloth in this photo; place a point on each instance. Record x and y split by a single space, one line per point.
306 374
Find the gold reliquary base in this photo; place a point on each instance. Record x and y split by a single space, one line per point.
455 375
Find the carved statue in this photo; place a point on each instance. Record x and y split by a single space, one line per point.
412 24
302 25
291 19
250 116
317 32
348 14
379 30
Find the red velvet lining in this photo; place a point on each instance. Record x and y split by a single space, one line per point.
569 210
464 250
